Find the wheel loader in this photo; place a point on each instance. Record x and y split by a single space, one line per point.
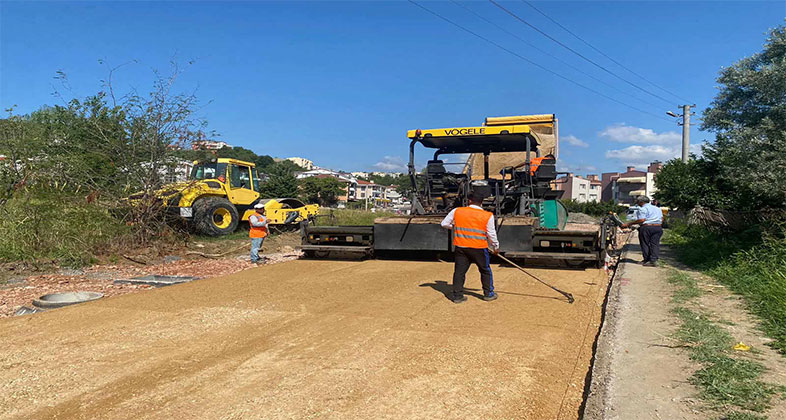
222 192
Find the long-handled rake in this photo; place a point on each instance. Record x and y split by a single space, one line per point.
566 294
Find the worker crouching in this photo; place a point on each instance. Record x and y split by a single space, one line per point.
473 233
257 231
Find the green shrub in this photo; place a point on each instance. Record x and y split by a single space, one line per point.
60 229
749 265
594 208
759 274
348 217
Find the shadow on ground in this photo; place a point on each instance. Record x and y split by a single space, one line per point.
447 290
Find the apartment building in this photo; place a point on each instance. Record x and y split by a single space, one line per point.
369 190
302 162
623 188
579 188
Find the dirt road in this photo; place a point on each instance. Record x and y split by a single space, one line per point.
310 339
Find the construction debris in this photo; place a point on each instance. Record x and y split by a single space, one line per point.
157 280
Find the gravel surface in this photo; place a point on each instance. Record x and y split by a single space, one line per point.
583 218
311 339
100 278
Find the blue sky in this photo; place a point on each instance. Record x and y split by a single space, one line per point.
341 82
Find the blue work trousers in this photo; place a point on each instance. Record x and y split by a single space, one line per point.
256 245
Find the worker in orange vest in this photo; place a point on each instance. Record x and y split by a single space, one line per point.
534 163
257 231
473 230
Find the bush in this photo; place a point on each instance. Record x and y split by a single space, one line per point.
347 217
65 230
593 208
759 274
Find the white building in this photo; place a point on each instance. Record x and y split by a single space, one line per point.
579 189
209 145
394 197
302 162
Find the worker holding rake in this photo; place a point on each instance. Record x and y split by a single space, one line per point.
473 231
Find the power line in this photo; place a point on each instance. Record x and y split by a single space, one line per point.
579 54
602 53
533 46
532 62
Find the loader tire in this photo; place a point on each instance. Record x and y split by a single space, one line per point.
215 216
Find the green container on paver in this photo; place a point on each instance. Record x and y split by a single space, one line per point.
552 214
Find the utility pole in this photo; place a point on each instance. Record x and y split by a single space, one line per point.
685 133
686 113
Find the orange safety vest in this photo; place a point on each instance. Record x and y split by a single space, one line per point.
469 227
256 231
534 163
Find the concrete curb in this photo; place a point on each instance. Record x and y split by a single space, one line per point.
596 403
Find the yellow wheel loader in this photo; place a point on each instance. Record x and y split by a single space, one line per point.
222 192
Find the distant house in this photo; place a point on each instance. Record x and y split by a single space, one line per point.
579 189
177 171
369 190
209 145
302 162
393 196
623 188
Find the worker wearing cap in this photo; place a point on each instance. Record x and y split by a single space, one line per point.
651 220
257 230
473 230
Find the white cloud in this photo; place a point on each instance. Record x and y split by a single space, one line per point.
575 141
628 134
641 156
391 164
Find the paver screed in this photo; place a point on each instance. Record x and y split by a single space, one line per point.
311 339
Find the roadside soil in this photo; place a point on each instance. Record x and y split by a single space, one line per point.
640 371
728 309
311 339
638 374
20 286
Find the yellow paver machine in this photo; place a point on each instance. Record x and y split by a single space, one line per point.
502 167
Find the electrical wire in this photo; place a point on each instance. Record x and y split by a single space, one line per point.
521 57
602 53
542 51
517 17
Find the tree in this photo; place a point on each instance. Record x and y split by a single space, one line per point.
749 117
237 152
284 165
324 191
743 168
684 185
282 183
